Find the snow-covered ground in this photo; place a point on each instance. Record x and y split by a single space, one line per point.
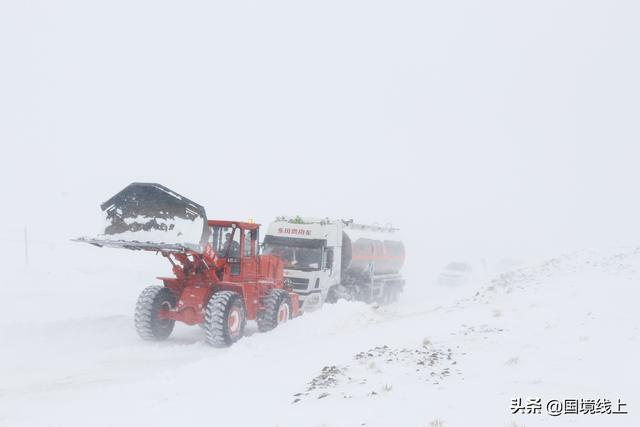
562 328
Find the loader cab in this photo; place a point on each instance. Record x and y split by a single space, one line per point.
236 244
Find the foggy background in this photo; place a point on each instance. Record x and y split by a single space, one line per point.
482 129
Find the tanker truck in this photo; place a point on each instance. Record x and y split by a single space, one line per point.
327 260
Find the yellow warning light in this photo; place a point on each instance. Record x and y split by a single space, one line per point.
250 220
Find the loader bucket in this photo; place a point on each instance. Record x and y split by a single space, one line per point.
151 217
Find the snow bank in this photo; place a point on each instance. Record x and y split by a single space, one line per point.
561 329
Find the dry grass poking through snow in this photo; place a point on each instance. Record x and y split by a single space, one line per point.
372 371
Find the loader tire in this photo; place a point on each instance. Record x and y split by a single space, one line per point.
148 325
277 309
224 319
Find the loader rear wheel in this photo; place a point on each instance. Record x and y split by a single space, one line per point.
147 321
224 319
277 309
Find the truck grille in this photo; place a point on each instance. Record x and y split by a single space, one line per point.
298 283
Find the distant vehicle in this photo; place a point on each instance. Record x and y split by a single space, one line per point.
456 274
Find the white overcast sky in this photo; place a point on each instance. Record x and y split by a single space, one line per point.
492 126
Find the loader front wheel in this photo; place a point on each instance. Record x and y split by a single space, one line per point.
147 321
224 319
277 309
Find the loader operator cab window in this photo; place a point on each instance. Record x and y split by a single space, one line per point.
226 242
248 249
231 245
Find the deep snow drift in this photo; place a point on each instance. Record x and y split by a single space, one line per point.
563 328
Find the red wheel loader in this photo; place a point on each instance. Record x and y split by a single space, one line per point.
220 279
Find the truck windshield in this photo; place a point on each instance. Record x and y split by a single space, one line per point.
294 257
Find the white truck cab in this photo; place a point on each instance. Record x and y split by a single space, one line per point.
325 260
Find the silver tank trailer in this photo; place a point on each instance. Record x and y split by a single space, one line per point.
366 245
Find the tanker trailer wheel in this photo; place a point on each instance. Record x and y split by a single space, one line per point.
389 295
224 319
277 309
148 325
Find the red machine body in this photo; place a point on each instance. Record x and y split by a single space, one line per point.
198 276
220 279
